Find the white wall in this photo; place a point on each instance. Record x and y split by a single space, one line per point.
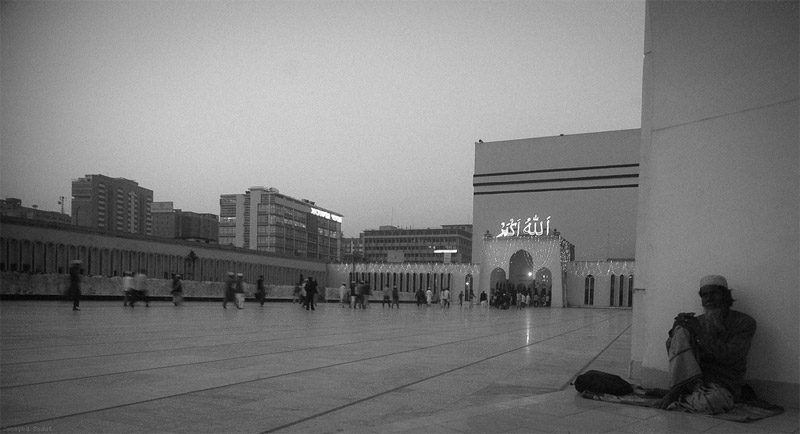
601 223
719 185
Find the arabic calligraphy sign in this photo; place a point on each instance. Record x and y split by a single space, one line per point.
532 227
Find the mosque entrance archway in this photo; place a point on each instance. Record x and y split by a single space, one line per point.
497 279
520 269
543 281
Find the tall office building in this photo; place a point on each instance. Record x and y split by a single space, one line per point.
185 225
450 243
112 204
263 219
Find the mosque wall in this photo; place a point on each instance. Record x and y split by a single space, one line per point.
719 183
584 185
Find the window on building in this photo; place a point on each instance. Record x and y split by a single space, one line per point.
630 290
611 290
588 292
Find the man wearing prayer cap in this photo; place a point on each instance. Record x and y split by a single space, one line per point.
708 353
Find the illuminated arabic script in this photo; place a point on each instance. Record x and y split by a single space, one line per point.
515 228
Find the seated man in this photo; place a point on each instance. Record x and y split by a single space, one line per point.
708 353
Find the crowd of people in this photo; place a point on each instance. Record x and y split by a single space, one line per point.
306 293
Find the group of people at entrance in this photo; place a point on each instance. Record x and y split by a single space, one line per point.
522 298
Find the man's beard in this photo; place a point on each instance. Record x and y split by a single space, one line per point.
714 319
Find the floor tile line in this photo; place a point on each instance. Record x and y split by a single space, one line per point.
350 404
256 355
315 369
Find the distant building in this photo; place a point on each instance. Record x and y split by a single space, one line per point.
352 250
169 222
112 204
263 219
12 207
450 243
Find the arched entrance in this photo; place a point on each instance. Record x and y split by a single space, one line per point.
521 258
497 279
543 284
520 269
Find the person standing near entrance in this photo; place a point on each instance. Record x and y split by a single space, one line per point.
75 284
428 296
484 300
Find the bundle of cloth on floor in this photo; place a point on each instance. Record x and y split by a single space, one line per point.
603 386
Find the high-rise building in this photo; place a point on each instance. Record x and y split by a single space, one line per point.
450 243
185 225
263 219
112 204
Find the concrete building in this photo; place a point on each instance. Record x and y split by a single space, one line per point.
112 204
448 244
352 250
719 184
12 207
185 225
266 220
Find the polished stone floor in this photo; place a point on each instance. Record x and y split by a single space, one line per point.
277 368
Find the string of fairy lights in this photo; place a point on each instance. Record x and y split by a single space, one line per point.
540 251
601 268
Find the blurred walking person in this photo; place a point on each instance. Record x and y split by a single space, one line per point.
395 298
261 291
127 287
239 291
177 290
228 290
344 295
140 288
75 284
311 292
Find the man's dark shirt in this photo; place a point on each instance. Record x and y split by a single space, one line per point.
722 354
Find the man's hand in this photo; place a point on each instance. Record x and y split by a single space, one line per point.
688 321
671 396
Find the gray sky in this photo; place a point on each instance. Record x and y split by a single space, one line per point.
368 108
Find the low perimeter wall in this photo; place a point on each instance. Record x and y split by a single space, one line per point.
24 285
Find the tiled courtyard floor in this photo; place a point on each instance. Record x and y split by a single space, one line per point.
201 368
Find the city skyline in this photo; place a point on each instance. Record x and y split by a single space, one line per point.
370 109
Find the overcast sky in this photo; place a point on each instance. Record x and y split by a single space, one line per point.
369 108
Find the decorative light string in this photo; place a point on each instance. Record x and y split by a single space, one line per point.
601 268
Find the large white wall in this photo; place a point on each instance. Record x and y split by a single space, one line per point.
599 222
719 186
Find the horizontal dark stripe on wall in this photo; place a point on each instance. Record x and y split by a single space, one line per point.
539 190
564 169
539 181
